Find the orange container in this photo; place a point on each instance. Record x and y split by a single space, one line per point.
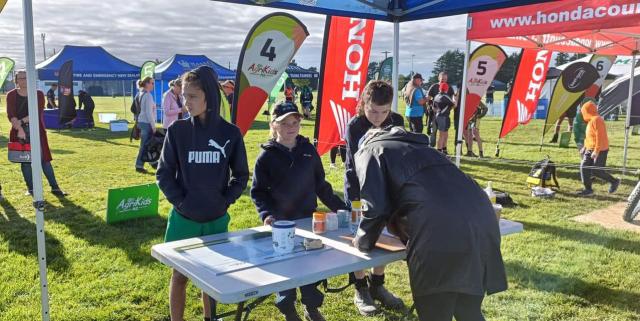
319 224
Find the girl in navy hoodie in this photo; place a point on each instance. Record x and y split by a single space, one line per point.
287 180
202 171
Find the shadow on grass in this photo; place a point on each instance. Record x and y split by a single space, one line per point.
96 134
130 236
20 235
572 286
609 242
61 152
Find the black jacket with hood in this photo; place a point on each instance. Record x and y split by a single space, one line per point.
356 128
203 167
444 217
287 183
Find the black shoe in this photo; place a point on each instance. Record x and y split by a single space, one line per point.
554 139
312 314
141 170
585 192
471 154
614 186
364 302
58 192
481 154
380 293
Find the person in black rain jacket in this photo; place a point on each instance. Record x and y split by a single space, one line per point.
287 180
374 111
444 217
202 171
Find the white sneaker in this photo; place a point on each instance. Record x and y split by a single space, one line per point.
332 165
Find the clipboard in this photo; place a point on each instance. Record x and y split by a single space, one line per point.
385 242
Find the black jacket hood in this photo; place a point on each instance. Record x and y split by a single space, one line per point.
209 82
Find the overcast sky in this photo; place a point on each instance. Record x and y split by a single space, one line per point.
141 30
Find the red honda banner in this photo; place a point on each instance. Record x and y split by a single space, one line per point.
523 100
347 44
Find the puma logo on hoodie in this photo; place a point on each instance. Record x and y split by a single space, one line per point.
208 157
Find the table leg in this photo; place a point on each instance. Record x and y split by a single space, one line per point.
240 311
212 305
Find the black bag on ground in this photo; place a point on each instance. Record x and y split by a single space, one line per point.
543 174
153 148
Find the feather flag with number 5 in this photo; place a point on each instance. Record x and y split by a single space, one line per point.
484 64
265 55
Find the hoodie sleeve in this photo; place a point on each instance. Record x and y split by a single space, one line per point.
351 185
323 188
239 170
166 174
375 201
260 189
602 141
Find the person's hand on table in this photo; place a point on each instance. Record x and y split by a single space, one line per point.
269 220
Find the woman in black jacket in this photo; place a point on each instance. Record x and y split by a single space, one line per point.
374 111
442 215
287 179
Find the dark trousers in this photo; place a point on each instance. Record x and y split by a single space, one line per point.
47 169
415 124
586 173
445 306
311 297
334 153
431 126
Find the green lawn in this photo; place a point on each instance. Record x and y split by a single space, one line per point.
557 269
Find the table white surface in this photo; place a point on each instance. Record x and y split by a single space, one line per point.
242 269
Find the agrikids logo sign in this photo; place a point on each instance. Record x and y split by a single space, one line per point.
132 202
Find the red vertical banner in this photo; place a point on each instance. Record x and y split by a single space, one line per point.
347 44
484 64
523 100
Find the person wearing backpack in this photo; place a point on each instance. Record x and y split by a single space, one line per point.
595 150
145 118
306 98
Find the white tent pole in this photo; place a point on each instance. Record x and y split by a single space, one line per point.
628 119
461 102
36 157
124 99
396 63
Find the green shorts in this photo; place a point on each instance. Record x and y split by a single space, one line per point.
180 227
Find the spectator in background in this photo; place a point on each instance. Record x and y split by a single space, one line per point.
18 114
289 94
287 181
374 111
442 105
228 87
84 99
570 114
489 96
173 103
340 149
595 150
415 102
146 120
473 131
431 94
306 100
51 97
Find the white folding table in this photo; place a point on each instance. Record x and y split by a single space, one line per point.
239 266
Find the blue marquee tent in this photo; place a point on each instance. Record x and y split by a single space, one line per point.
297 72
89 63
178 64
175 66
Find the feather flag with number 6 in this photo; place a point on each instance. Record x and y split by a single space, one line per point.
265 55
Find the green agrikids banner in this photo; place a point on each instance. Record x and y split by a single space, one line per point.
6 65
132 202
386 69
147 70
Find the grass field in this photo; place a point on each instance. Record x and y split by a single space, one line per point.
557 269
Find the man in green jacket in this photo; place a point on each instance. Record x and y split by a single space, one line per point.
579 129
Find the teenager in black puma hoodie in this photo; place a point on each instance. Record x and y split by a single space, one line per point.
287 180
203 169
